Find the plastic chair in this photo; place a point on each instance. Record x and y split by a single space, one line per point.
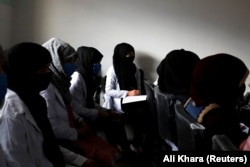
166 117
190 133
149 88
222 143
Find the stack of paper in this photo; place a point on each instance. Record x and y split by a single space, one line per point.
131 99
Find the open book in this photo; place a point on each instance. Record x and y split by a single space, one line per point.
132 99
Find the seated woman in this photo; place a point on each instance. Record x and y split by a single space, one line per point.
175 72
70 129
125 79
174 75
216 85
84 84
26 136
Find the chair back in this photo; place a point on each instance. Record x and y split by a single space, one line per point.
222 143
166 115
190 133
149 88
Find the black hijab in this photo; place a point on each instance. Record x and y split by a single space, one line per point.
24 60
87 57
175 71
124 67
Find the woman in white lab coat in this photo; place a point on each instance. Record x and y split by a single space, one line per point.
124 78
84 85
26 136
70 129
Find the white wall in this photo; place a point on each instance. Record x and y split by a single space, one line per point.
153 27
5 23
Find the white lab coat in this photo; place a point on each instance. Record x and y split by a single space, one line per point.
58 115
3 162
78 91
113 94
20 138
71 158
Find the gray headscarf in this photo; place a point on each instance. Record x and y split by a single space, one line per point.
60 51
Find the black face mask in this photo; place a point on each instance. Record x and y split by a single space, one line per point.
240 91
40 81
129 60
239 96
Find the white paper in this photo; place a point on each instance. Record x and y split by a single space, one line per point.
131 99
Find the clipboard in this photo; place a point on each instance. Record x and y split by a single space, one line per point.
132 103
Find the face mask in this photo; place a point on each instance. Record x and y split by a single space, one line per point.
69 68
239 95
3 85
97 69
129 59
41 81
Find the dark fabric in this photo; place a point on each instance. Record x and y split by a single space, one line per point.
138 111
137 115
62 83
92 147
223 121
124 67
175 71
72 121
24 60
143 89
113 129
87 57
1 56
98 149
174 75
216 79
125 71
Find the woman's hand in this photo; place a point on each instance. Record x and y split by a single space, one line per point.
134 92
